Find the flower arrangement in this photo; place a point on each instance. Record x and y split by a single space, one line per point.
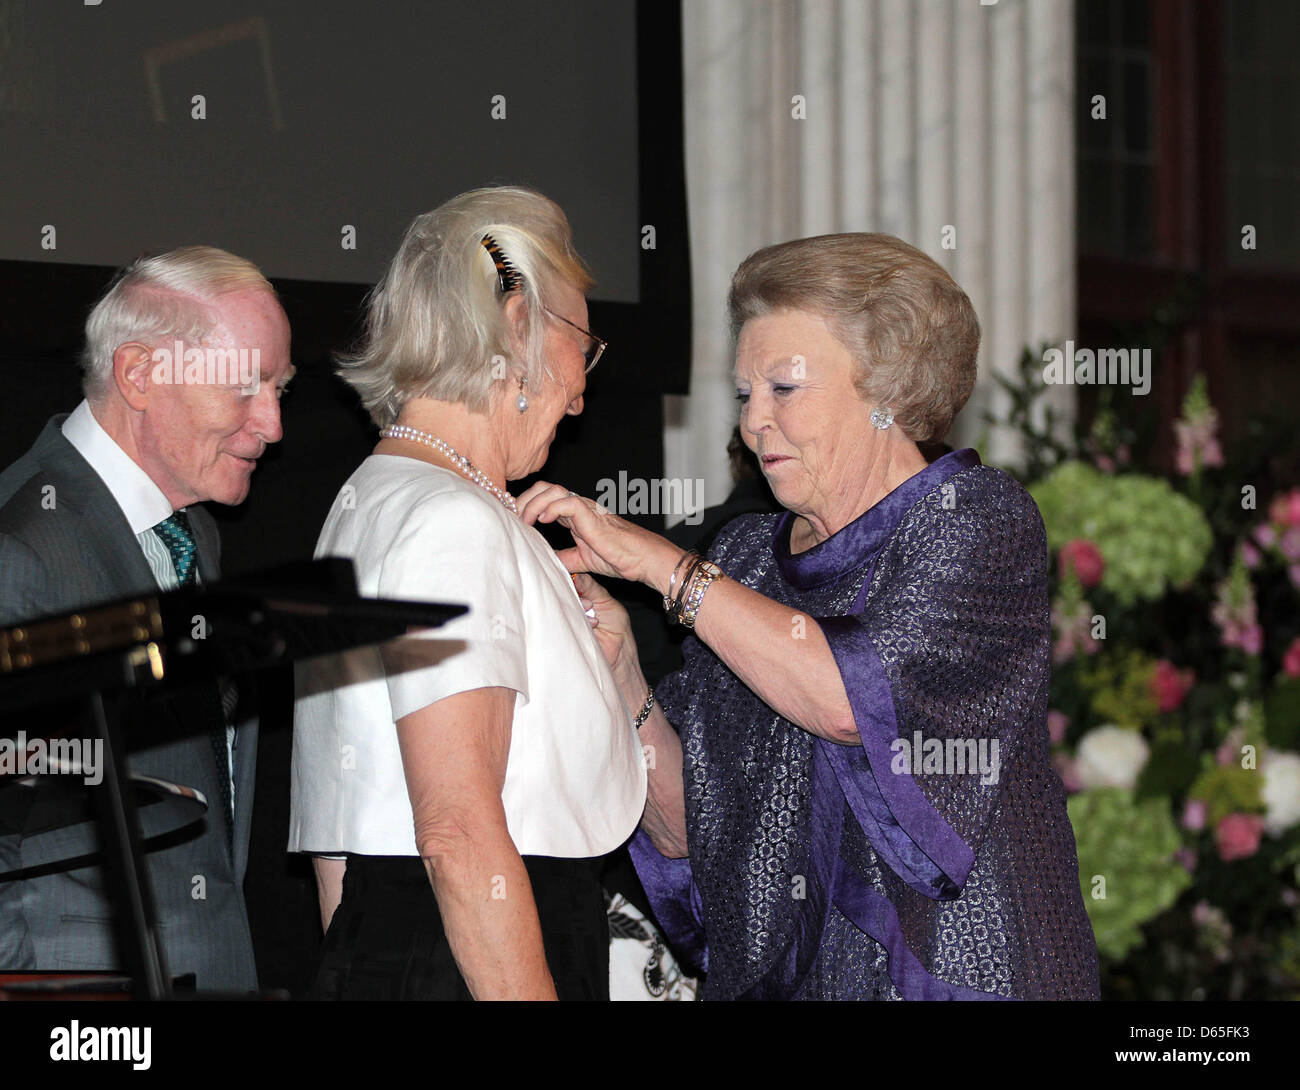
1175 706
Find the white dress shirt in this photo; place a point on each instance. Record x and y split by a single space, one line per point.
575 781
143 504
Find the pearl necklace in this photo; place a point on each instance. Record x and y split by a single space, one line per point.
414 435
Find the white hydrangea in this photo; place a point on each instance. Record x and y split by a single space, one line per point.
1281 790
1110 756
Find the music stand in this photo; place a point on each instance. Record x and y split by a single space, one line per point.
270 618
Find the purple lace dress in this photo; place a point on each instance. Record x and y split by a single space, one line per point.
945 869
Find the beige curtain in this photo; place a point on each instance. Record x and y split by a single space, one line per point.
919 115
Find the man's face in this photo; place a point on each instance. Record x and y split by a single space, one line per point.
201 440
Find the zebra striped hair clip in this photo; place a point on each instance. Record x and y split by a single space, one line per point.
508 277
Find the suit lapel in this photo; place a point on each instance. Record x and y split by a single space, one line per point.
84 495
207 542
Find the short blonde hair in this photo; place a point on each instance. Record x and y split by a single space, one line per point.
160 298
436 324
911 331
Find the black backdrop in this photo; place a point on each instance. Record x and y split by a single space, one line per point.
42 313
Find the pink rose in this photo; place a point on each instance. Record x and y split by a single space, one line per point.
1169 685
1194 815
1058 723
1238 835
1290 664
1266 535
1084 559
1249 555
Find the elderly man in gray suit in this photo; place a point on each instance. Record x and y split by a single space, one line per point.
104 506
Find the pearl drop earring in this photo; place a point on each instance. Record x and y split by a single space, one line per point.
521 402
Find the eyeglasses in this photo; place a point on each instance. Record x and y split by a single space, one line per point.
594 350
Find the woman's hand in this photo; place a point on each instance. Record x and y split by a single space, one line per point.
603 542
613 632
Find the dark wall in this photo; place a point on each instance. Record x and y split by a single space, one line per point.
315 115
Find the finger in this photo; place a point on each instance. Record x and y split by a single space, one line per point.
539 507
572 560
565 508
527 503
534 489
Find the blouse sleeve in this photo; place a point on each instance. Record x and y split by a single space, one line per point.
946 669
453 548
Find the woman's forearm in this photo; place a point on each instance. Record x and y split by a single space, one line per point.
454 754
780 653
490 916
664 819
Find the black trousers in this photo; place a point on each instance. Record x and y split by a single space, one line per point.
386 940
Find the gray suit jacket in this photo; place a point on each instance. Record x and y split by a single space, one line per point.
65 544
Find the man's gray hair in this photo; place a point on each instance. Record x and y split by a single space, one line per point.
160 299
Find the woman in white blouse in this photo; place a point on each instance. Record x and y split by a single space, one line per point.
456 787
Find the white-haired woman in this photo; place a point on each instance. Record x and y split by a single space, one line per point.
465 790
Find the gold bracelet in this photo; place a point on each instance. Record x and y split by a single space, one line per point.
702 577
674 607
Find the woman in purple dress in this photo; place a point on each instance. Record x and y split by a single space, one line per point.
851 792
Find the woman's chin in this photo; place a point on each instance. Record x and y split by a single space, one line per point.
527 469
785 496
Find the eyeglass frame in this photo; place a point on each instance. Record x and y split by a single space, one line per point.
601 343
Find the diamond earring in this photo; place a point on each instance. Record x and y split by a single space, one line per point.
521 402
881 418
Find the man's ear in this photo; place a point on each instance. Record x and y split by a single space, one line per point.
133 366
